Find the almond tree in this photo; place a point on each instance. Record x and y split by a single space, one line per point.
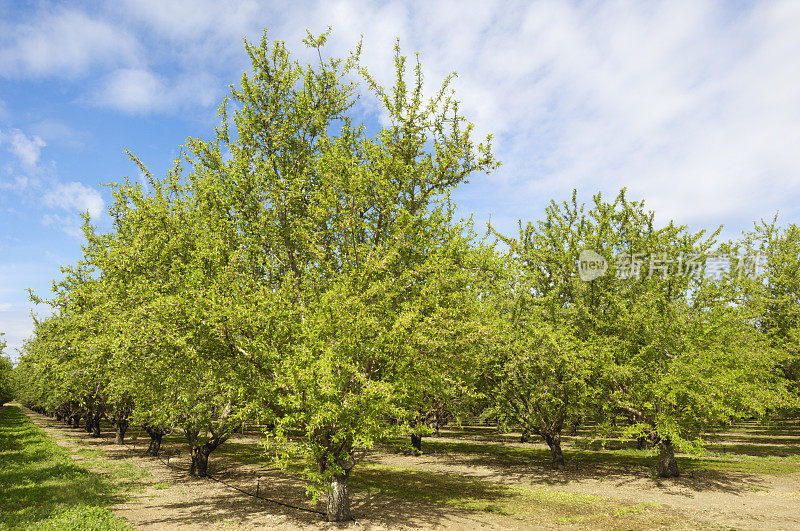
346 247
775 294
541 371
664 346
681 357
164 277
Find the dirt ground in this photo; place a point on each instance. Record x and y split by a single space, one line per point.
729 499
169 499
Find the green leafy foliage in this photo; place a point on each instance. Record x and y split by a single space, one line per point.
7 383
673 352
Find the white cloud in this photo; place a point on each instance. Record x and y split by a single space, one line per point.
181 20
54 131
75 196
63 43
16 183
26 148
68 223
694 106
140 91
133 90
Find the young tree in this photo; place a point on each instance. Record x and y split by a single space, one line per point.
70 350
542 370
165 277
450 354
645 337
774 295
681 357
348 245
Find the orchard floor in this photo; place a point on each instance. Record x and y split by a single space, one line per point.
464 480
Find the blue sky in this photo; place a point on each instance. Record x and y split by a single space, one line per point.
694 106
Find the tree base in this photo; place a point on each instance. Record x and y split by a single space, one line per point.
416 443
338 500
667 464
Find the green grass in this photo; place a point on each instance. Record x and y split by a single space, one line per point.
537 455
41 487
780 457
531 503
542 502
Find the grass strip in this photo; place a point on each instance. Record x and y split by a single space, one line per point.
41 487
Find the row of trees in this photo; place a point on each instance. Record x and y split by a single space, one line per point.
7 384
297 273
673 350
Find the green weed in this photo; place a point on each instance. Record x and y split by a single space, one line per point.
41 487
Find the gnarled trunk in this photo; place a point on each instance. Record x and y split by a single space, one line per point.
199 465
557 457
200 452
155 440
338 503
95 425
667 464
338 492
416 442
121 428
526 435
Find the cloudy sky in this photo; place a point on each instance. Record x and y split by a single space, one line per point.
693 106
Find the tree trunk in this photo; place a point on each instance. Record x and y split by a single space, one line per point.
667 464
199 466
122 427
76 421
200 452
155 440
554 442
95 426
641 443
525 436
338 499
416 442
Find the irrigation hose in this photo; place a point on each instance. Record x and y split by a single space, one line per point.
277 502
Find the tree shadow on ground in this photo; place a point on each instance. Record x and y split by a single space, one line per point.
516 464
242 466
